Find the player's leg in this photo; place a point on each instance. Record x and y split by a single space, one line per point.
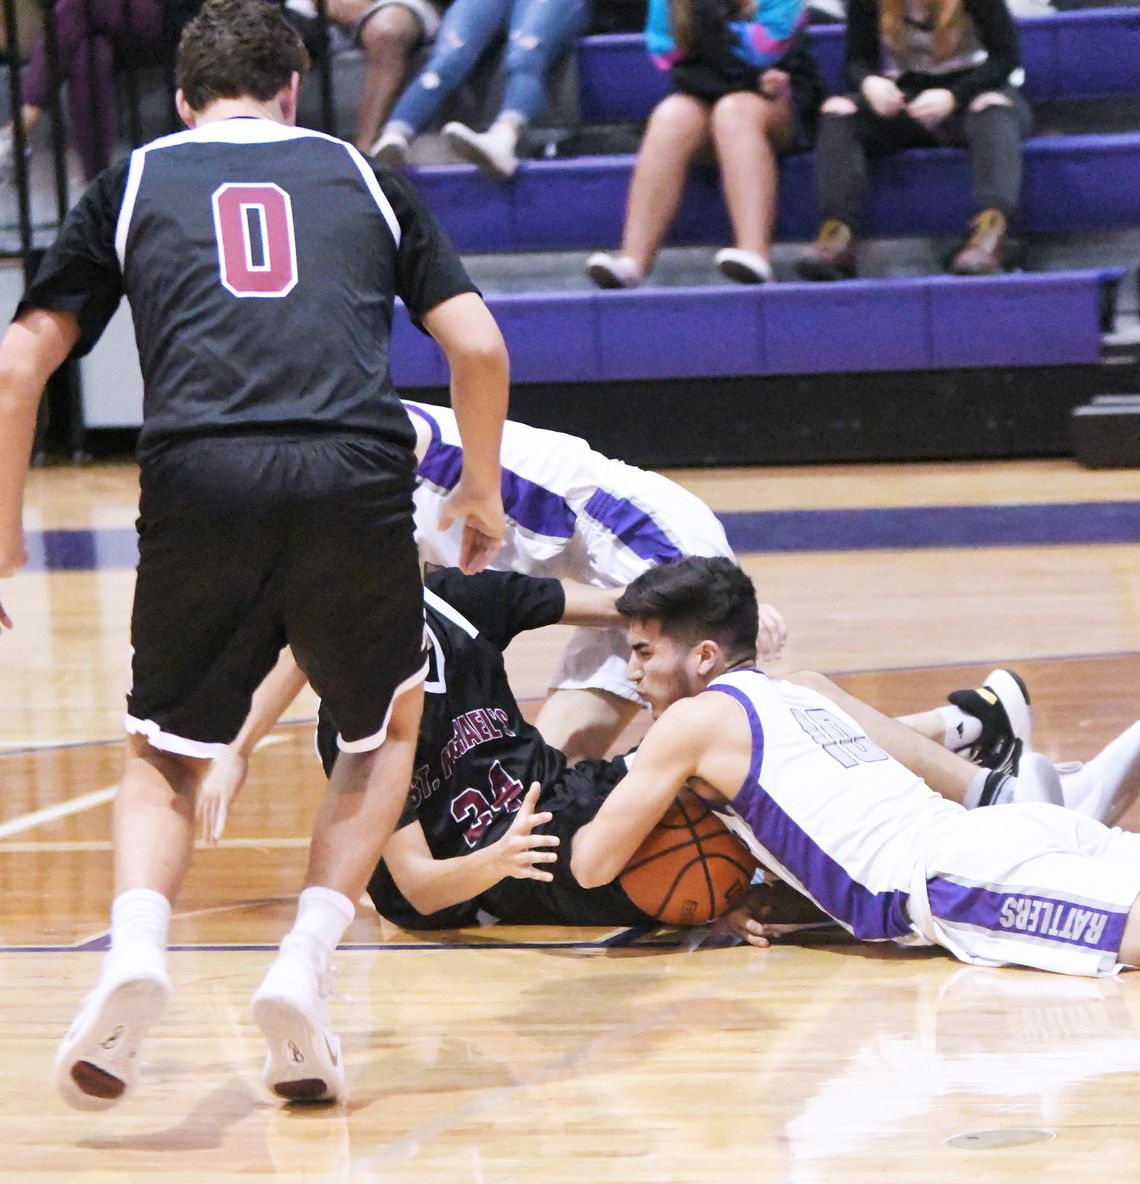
362 804
990 726
590 702
944 771
584 722
153 831
353 614
1130 944
1033 885
204 634
1105 786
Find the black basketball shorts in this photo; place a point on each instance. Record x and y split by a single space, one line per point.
248 543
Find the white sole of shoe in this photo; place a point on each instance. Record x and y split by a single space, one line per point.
1013 700
303 1064
94 1068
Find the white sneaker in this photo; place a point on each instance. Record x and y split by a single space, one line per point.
391 149
96 1065
744 267
291 1007
491 152
1105 786
613 271
1002 706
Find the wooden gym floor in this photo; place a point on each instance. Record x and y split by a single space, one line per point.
564 1055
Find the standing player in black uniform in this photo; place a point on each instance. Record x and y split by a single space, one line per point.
260 262
477 833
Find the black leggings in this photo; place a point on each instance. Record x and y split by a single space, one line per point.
845 142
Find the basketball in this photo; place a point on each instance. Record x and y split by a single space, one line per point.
691 867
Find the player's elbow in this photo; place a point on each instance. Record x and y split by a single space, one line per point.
485 352
590 867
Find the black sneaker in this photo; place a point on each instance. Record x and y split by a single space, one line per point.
1002 706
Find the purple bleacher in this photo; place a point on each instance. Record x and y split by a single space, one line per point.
1071 183
1094 53
921 323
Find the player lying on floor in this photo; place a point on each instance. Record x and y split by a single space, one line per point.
825 809
571 514
470 839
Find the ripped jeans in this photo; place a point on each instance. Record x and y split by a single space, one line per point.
538 32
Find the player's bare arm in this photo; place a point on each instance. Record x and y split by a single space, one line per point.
432 884
31 350
669 755
480 383
586 605
227 774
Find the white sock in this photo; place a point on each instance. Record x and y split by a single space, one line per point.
961 729
139 915
323 914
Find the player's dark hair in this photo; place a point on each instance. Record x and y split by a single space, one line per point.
238 48
697 598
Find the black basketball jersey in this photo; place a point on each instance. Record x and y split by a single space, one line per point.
477 756
260 262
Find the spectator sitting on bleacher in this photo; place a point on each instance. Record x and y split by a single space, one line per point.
746 83
390 32
93 39
538 33
924 74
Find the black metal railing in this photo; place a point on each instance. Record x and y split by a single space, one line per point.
37 199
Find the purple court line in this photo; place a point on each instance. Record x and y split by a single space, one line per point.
772 531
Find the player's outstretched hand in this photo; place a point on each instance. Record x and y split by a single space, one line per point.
5 620
483 525
520 850
772 634
216 794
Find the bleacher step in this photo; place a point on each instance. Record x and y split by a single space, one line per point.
911 323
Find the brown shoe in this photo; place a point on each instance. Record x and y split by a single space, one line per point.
831 256
984 251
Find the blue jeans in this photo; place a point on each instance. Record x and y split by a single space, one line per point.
538 33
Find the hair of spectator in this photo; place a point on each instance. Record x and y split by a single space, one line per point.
238 48
697 598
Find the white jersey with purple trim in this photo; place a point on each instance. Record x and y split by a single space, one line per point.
889 859
571 513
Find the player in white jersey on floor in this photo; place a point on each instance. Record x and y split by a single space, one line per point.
571 514
574 514
830 813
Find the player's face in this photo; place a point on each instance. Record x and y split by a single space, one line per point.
661 669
